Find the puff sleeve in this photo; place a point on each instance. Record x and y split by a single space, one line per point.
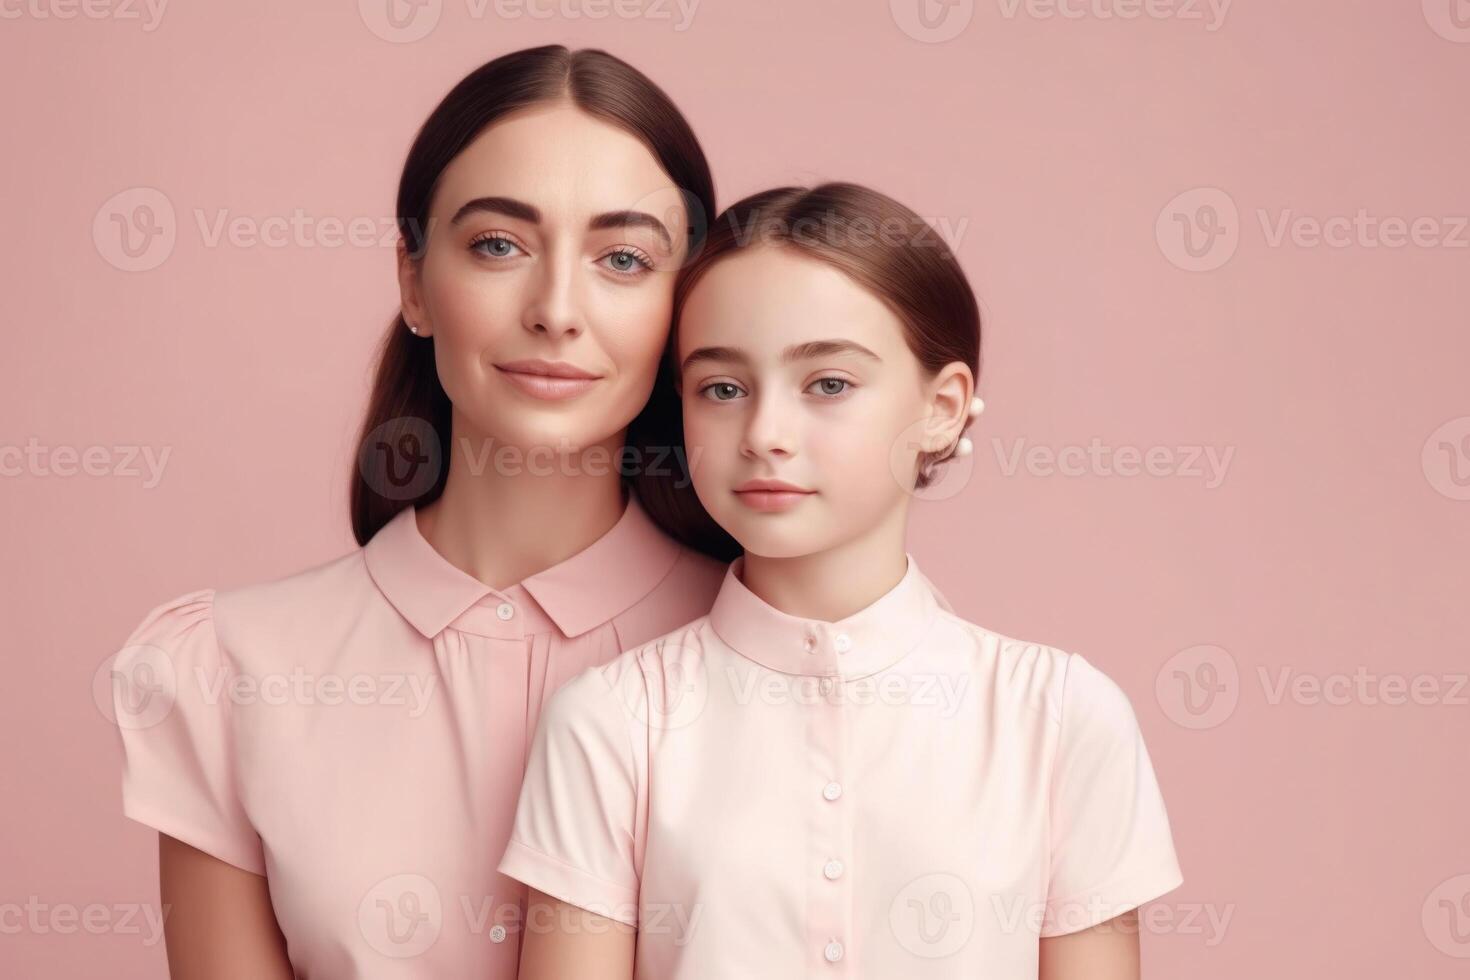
1110 843
576 834
170 687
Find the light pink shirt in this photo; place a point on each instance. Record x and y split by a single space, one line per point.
901 794
357 732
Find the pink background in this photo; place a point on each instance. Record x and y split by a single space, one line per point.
1319 834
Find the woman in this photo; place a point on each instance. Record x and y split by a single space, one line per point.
332 759
829 774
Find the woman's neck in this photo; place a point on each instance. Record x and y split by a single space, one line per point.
833 584
504 518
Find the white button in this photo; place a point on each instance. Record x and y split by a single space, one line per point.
843 643
505 610
832 870
832 790
833 952
497 933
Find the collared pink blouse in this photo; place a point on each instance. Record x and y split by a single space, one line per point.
358 732
901 793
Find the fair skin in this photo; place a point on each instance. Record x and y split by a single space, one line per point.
552 236
792 371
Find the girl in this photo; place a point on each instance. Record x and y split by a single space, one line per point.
828 774
332 759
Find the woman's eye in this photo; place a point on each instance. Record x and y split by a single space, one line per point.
627 262
831 386
496 246
720 391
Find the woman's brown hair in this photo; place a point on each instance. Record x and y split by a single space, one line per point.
876 241
408 407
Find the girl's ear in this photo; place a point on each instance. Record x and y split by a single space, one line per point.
950 394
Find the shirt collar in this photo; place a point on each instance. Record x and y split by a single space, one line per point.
589 588
870 640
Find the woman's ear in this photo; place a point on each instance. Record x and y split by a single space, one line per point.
410 295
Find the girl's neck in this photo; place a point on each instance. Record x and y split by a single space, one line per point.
504 518
833 584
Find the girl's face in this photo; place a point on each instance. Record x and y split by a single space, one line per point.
792 372
553 237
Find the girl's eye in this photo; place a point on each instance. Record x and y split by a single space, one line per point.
831 386
497 246
720 391
628 262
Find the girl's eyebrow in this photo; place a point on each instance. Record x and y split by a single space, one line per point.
796 352
521 211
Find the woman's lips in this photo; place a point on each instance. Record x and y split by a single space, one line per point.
547 386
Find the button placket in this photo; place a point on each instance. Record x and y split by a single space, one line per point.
829 931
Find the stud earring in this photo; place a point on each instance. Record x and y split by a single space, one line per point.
412 328
964 447
976 406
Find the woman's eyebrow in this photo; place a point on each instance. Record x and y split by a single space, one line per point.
623 219
796 352
520 210
507 206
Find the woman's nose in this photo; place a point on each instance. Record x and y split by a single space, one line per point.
552 306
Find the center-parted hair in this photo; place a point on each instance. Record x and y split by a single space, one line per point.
408 406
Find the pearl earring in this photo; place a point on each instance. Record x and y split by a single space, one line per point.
964 446
413 329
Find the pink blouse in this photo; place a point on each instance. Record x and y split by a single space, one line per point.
357 732
898 794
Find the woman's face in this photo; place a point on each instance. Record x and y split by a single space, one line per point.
791 371
553 237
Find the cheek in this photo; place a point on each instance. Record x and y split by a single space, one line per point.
632 327
469 312
855 456
704 426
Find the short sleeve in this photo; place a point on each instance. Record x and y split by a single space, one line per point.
1110 844
576 834
170 687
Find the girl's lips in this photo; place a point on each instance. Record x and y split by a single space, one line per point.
771 501
547 387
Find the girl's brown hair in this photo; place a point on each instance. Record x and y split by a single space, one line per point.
408 405
882 245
